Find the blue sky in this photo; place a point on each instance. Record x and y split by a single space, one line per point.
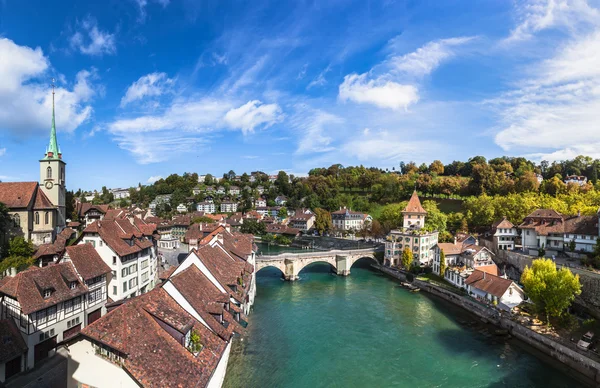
146 88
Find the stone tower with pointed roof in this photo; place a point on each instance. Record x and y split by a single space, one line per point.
413 213
52 174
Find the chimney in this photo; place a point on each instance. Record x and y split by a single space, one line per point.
454 240
13 271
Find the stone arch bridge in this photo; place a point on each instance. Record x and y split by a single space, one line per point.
290 264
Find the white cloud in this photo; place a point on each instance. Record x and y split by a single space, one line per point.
187 124
393 84
312 125
2 151
150 85
384 94
384 148
90 40
155 178
427 58
26 102
534 16
320 79
142 7
555 113
253 114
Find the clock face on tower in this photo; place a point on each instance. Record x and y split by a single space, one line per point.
48 185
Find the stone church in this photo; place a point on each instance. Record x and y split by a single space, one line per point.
37 209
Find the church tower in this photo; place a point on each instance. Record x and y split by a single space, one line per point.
52 174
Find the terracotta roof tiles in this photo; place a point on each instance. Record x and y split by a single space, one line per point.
87 261
414 205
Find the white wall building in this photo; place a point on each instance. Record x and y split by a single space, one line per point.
206 207
130 252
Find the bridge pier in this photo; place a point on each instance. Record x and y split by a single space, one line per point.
342 265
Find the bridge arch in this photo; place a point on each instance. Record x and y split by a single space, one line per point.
366 258
300 264
271 266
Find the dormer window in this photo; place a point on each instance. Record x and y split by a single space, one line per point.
73 285
47 293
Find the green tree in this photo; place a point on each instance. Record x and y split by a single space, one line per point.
254 227
407 258
282 213
442 263
572 245
18 246
323 221
435 220
436 167
5 222
541 251
552 291
202 220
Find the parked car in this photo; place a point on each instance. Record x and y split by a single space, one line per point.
586 340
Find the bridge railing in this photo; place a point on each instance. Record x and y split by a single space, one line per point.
342 252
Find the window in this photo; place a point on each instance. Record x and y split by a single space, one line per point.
124 272
114 290
46 218
47 293
37 218
49 173
133 269
73 285
62 173
51 313
95 296
46 335
24 320
69 306
77 303
144 264
100 243
144 277
73 322
41 317
132 282
114 260
124 286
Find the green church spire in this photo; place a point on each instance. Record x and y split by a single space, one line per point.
53 151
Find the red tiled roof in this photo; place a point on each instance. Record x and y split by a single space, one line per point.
87 261
488 283
156 357
503 224
42 201
115 233
17 194
414 205
585 225
27 287
199 292
450 248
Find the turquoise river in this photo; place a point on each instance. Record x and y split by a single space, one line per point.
366 331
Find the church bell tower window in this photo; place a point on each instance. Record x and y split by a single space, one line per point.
49 173
37 218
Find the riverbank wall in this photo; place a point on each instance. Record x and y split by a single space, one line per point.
588 369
